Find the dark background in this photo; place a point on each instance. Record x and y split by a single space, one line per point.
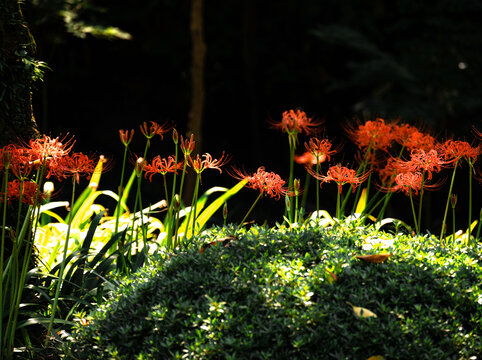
414 60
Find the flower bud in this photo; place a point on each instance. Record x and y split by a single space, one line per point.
175 136
225 211
453 200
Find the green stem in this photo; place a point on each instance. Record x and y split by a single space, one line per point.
2 252
338 210
413 211
470 201
62 268
292 141
442 230
121 191
453 223
250 209
194 204
420 205
169 239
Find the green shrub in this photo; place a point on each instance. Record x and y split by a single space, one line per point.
271 293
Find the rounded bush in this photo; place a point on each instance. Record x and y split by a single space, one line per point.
274 293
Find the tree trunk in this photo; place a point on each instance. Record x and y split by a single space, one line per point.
195 116
16 48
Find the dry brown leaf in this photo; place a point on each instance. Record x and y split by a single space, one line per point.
375 258
225 241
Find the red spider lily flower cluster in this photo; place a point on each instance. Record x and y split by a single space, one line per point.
320 148
410 183
74 165
199 165
53 153
412 138
295 122
149 131
341 175
46 148
26 191
426 161
452 151
375 135
162 166
266 182
20 161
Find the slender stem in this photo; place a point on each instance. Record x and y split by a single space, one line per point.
62 268
470 201
420 205
170 219
442 230
194 204
453 223
338 210
120 191
2 252
413 212
165 188
317 189
296 208
292 140
250 209
169 239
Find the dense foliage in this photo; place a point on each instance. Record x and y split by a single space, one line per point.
281 293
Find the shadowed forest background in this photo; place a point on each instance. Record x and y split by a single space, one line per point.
116 64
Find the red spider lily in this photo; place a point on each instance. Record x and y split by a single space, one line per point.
187 146
6 155
208 163
46 148
428 161
268 183
295 122
26 191
453 151
162 166
341 175
308 159
154 129
320 147
75 165
412 138
21 164
126 136
409 183
375 135
393 167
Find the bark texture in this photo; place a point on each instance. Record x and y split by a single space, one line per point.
16 50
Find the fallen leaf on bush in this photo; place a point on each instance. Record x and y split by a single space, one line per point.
376 258
225 242
376 357
332 276
362 312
